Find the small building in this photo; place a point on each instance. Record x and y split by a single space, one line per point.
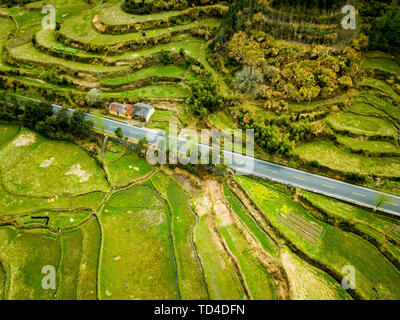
121 109
143 111
138 111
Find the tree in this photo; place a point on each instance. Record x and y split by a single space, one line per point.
35 113
94 97
165 58
87 126
381 200
143 142
100 124
80 126
43 128
385 28
249 81
204 95
62 119
118 133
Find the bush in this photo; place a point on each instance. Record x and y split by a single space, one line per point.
165 58
204 95
315 164
355 177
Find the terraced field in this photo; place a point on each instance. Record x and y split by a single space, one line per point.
112 226
91 57
366 132
334 248
118 243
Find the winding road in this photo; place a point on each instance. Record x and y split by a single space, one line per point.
249 166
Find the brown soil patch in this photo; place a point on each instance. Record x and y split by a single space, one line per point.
4 12
272 265
305 283
189 182
24 140
47 163
77 171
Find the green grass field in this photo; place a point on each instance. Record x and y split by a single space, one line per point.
258 280
59 220
366 110
361 125
154 91
24 254
33 165
331 156
3 282
382 86
374 147
127 169
375 274
379 103
70 264
27 53
222 280
78 269
319 104
351 214
81 29
137 258
171 71
383 64
190 277
243 215
309 282
7 26
7 133
114 15
46 38
161 120
11 204
190 45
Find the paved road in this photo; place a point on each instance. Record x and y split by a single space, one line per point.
289 176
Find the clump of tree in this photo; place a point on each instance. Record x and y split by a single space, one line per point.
94 98
251 82
64 126
276 135
382 18
39 116
273 69
9 108
54 77
165 57
11 3
152 6
118 132
204 95
36 113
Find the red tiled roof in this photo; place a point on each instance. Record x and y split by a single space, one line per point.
123 109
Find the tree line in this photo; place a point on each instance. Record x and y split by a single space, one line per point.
64 125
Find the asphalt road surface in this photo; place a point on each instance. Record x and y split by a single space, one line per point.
289 176
286 175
